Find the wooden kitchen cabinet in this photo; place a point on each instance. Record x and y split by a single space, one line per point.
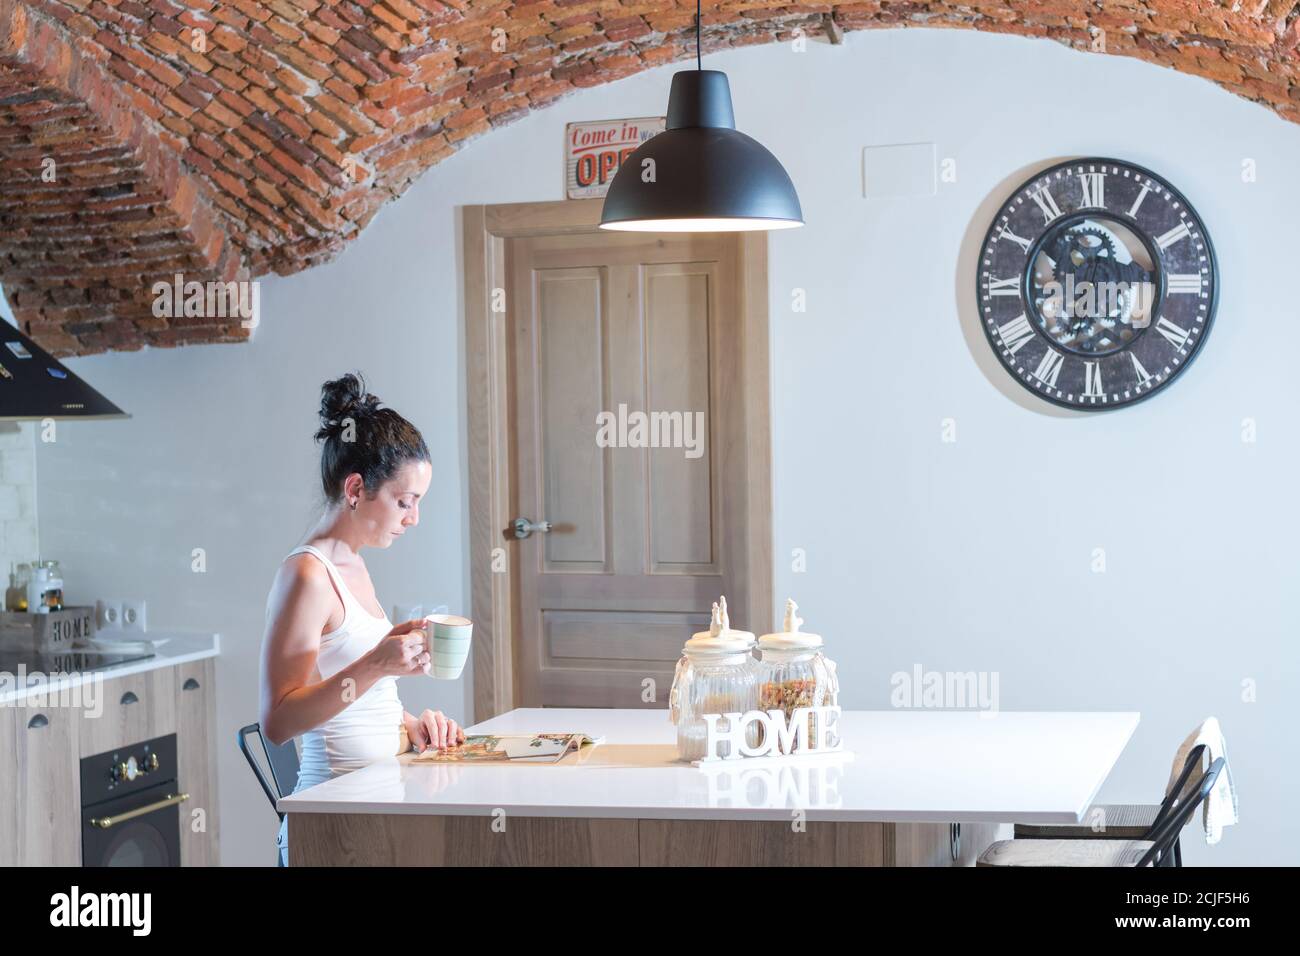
40 805
134 708
196 721
42 747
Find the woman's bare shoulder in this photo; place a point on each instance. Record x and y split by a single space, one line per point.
301 604
301 574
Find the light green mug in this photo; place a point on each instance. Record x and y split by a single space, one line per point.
449 638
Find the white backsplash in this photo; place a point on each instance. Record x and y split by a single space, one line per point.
18 540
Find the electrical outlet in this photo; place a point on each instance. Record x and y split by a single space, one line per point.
406 612
109 614
133 616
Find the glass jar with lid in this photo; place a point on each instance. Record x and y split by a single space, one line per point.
45 588
717 674
794 673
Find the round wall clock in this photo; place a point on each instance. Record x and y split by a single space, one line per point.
1096 284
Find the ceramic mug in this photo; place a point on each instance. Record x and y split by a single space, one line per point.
449 638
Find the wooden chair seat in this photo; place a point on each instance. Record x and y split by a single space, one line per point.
1130 832
1064 853
1123 821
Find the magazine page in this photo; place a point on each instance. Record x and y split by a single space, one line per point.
536 748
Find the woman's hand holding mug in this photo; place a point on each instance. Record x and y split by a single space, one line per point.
402 651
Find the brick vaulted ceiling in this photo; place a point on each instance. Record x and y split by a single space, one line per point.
226 140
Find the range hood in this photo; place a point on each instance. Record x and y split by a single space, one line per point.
35 385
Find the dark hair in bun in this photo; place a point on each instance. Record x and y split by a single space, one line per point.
361 437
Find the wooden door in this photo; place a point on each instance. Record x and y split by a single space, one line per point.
629 438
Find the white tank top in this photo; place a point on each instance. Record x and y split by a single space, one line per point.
370 727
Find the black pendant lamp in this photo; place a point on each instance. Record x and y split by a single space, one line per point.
705 176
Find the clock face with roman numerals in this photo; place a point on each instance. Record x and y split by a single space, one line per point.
1097 284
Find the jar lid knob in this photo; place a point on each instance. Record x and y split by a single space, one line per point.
720 638
790 637
720 621
792 620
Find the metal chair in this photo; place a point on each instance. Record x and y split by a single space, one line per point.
282 759
1120 821
1155 851
282 762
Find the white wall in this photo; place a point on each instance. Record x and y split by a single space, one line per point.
17 496
17 487
967 556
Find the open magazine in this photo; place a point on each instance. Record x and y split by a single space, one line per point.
527 748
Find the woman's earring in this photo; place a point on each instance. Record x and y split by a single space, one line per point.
353 504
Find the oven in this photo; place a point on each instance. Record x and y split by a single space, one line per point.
130 806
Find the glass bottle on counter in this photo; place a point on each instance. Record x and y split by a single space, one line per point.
717 674
794 673
16 593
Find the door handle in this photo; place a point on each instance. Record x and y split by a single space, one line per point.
105 822
524 528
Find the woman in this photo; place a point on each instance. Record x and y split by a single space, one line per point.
331 657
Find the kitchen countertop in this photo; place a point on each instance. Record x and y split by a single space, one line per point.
907 766
176 647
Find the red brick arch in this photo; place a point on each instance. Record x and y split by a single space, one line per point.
225 140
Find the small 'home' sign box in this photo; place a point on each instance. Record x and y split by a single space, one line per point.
780 739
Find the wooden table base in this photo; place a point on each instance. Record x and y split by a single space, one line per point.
368 839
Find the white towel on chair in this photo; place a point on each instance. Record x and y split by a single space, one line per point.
1220 807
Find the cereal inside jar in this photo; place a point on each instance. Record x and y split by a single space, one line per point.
793 673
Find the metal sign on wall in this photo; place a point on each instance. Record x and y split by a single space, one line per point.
594 151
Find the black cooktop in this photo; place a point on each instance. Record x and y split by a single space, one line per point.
56 662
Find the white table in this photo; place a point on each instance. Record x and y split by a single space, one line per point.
913 773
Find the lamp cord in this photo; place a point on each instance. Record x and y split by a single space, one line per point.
698 60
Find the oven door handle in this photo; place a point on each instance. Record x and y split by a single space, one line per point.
105 822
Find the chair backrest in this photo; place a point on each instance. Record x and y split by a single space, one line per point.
1179 790
281 759
1162 840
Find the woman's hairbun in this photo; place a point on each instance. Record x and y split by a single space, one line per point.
344 398
379 442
